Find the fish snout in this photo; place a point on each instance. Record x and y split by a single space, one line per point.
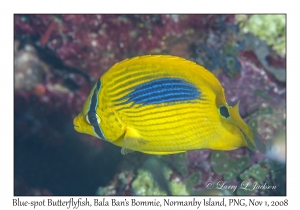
76 123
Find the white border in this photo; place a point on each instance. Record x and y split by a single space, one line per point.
153 6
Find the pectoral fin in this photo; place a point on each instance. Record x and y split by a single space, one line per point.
132 141
125 151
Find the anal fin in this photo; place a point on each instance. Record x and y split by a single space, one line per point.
163 153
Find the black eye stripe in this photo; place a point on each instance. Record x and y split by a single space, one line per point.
94 98
92 116
224 111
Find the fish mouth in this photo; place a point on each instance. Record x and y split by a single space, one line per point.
76 124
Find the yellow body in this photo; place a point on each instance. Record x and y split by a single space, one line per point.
162 105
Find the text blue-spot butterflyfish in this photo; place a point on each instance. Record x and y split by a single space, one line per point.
161 104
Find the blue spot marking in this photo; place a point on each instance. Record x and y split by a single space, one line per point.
163 90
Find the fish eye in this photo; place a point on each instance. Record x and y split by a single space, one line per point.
224 111
92 118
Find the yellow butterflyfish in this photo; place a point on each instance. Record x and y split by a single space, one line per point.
162 104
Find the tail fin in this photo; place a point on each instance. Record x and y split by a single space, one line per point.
259 143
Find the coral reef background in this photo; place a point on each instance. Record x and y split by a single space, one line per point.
57 60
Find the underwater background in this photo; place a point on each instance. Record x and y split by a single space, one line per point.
58 59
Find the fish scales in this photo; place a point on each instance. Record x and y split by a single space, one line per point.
162 105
